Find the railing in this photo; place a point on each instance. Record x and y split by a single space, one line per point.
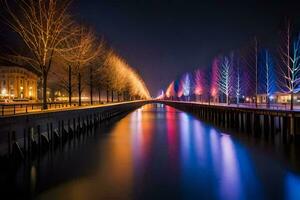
8 109
272 106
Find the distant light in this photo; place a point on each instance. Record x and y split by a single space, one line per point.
3 92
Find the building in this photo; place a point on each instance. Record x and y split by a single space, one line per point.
278 97
17 83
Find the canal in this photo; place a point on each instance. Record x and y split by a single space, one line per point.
158 152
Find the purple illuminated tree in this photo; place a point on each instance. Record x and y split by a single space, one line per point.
214 77
199 82
249 70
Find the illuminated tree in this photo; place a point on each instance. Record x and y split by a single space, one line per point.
42 25
214 79
170 92
98 78
267 75
186 86
238 87
239 84
225 76
198 83
248 59
60 75
119 77
256 69
84 48
290 68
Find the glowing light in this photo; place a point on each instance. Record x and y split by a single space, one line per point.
170 90
225 73
292 183
161 95
122 77
3 92
186 85
267 67
198 90
214 77
179 88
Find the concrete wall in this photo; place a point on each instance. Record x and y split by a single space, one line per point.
21 124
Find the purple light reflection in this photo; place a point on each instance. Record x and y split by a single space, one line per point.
230 183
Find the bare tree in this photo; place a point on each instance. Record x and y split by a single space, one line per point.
213 77
61 75
256 69
84 48
238 87
42 25
225 77
290 67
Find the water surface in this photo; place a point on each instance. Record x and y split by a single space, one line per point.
158 152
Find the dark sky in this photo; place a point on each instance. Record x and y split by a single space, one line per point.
163 39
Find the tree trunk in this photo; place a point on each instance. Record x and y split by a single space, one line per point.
79 89
112 96
227 99
292 100
91 85
107 95
255 101
99 95
44 82
70 85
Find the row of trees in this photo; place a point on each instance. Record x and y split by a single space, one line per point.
67 52
245 72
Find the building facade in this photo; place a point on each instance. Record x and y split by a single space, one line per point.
17 83
278 97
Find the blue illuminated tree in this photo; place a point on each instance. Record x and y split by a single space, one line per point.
186 85
267 67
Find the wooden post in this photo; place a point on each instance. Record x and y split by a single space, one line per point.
9 143
51 133
39 135
48 132
24 136
29 139
292 125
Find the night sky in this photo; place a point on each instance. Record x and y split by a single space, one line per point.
163 39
